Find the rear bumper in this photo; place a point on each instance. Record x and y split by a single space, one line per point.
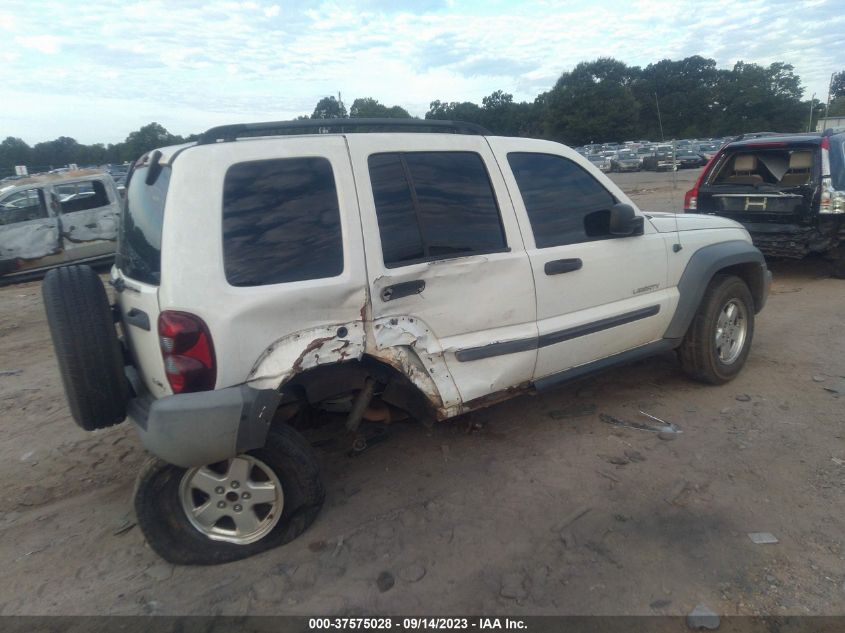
195 429
794 240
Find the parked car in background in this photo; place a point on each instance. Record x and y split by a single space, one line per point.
787 190
661 160
625 161
54 219
689 159
600 160
708 149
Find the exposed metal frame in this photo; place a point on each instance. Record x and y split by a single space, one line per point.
228 133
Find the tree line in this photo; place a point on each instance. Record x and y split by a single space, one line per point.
597 101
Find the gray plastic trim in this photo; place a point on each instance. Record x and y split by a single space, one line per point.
195 429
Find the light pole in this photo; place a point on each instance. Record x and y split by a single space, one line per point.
659 120
829 90
810 122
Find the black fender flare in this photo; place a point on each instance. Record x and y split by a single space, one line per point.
735 255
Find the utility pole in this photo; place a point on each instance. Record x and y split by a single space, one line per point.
659 120
829 90
810 122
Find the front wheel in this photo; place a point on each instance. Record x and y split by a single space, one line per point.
718 340
232 509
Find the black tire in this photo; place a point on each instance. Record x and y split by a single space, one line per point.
698 352
88 352
171 535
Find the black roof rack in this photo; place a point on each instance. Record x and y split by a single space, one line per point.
321 126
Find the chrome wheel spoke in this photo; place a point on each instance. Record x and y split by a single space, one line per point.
246 522
239 468
261 493
207 481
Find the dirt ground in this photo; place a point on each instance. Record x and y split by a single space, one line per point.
534 506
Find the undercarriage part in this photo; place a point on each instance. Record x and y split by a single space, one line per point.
362 401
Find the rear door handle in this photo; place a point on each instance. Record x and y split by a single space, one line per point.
559 266
138 318
404 289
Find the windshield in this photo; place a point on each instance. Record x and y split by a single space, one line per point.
139 242
627 155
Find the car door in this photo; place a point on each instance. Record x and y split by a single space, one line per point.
597 295
448 272
89 217
29 232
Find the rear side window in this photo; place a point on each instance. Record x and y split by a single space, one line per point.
434 205
81 196
281 222
139 241
565 204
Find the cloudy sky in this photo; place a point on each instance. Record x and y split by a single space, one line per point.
98 70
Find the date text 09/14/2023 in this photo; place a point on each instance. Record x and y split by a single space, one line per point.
416 624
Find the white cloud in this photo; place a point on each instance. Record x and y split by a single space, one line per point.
223 60
47 44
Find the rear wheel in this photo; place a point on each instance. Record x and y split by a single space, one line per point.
233 509
718 341
86 345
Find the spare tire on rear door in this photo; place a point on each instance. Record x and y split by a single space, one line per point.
85 340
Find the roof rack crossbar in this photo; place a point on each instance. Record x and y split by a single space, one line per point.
233 132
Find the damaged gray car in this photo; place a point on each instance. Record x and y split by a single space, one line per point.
55 219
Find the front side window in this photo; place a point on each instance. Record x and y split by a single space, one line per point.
281 222
22 206
434 205
565 204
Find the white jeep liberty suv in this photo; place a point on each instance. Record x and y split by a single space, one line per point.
262 275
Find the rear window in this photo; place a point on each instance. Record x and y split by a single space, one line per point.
782 166
139 241
281 222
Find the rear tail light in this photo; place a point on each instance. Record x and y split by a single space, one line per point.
691 196
188 352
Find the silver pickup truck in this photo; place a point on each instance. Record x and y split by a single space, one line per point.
55 219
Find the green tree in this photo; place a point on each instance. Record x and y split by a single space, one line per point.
455 111
369 108
147 138
594 102
754 98
14 151
837 107
329 108
686 93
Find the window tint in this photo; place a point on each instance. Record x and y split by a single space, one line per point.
434 205
22 206
139 240
565 204
281 222
401 240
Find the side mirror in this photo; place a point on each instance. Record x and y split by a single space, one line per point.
624 221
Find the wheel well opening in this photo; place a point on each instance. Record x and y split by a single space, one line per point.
329 385
750 273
